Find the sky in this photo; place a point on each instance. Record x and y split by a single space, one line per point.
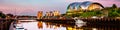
31 7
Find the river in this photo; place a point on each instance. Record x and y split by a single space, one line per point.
40 25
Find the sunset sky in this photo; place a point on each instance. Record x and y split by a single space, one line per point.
31 7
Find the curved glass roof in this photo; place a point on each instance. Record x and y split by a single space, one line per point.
83 5
73 5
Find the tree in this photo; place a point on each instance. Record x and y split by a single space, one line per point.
114 6
11 15
63 14
2 15
114 13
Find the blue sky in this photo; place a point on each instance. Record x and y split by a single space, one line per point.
31 7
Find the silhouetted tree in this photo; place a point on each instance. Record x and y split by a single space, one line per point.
2 15
11 15
63 14
114 6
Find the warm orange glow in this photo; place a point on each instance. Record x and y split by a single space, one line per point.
40 14
94 6
40 25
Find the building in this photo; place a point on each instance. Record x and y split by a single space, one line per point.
87 5
52 14
40 14
49 13
56 13
77 7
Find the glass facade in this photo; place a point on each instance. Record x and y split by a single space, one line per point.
84 6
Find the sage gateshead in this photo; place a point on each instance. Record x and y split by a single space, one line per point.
87 5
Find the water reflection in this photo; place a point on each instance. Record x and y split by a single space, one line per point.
49 26
39 25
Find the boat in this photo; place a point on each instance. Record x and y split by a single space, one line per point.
79 22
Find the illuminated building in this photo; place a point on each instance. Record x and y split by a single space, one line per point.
56 13
84 6
40 14
49 14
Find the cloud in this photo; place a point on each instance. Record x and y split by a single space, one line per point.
31 7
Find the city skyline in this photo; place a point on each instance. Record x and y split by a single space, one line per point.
31 7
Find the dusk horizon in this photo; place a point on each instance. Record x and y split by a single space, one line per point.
60 14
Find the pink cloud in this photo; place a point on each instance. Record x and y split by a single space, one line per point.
32 10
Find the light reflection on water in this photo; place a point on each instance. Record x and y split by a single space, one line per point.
39 25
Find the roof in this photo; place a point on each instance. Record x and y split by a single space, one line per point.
75 4
82 4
